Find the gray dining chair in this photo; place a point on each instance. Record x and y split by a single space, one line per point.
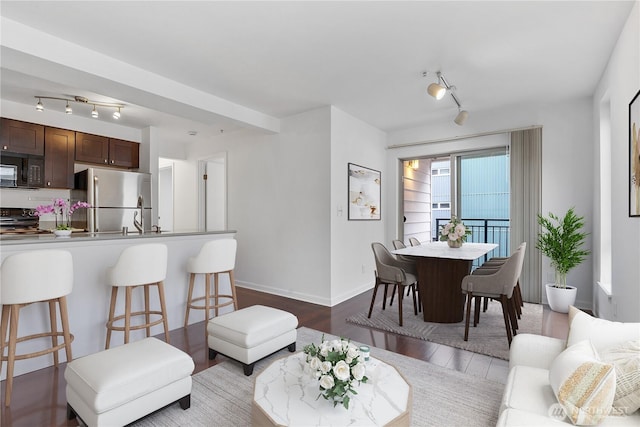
499 285
392 271
399 244
414 241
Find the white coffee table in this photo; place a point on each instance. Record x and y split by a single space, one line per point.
285 394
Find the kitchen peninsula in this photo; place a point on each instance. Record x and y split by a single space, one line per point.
88 303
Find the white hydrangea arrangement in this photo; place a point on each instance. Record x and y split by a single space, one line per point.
338 365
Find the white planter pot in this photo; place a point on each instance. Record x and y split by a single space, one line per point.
561 298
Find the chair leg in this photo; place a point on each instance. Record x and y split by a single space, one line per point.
400 295
127 313
486 304
4 325
476 311
216 292
207 297
192 278
163 309
147 309
233 290
393 294
11 352
112 309
64 319
466 321
54 329
412 288
373 298
512 315
505 315
384 297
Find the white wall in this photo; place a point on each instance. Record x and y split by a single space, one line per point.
352 262
278 194
620 82
566 154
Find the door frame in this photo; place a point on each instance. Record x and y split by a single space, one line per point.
202 193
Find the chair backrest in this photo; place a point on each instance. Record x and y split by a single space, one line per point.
386 268
509 273
414 241
214 256
398 244
36 276
139 265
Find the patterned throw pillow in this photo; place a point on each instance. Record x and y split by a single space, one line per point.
584 386
626 361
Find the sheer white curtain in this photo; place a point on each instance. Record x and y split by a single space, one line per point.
526 195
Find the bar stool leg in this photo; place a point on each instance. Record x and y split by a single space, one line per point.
4 325
147 314
233 290
64 319
215 295
54 329
11 352
163 308
207 298
192 278
127 313
112 309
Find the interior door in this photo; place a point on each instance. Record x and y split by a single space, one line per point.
213 193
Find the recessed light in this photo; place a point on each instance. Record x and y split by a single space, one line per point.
192 132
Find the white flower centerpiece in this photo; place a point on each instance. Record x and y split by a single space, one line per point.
338 365
454 232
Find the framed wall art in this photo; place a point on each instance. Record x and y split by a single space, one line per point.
634 156
364 193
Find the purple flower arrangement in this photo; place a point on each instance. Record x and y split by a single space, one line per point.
62 212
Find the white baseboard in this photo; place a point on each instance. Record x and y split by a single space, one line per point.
301 296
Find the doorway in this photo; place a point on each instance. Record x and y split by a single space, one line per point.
165 195
213 192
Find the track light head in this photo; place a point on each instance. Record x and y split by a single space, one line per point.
39 106
68 109
461 117
94 112
436 90
116 114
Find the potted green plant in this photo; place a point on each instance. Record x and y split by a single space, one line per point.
561 240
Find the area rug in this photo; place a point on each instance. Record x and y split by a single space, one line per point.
489 337
222 395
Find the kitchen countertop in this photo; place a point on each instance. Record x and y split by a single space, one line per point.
14 239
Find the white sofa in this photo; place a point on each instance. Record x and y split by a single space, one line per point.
529 399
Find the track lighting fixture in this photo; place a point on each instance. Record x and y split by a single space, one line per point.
81 100
439 89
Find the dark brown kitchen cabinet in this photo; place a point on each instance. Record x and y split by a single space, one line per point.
92 148
22 137
59 149
124 153
107 151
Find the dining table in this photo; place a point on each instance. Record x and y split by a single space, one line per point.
440 271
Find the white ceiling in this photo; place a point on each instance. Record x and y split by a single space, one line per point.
366 58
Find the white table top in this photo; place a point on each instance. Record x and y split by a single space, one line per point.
288 393
468 251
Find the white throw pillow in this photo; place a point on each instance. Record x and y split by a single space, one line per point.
602 333
626 361
584 386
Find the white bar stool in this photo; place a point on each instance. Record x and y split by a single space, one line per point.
141 265
30 277
215 257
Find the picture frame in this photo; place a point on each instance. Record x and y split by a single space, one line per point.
364 191
634 156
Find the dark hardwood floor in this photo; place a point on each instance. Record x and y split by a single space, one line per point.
39 397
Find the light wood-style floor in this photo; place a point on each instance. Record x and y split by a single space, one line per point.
39 397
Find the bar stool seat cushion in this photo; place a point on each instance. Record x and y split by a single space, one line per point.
125 383
250 334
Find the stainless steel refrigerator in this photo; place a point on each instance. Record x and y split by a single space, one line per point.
118 199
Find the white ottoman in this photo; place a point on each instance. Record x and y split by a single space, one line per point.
118 386
250 334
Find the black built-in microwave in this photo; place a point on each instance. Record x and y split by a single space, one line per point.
27 170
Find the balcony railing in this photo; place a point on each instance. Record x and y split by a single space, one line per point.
484 231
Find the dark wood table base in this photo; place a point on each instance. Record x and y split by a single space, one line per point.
439 281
